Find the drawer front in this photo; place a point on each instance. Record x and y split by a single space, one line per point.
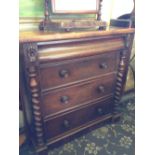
71 97
77 70
65 123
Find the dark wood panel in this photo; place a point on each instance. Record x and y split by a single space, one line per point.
64 51
66 72
80 130
60 100
65 123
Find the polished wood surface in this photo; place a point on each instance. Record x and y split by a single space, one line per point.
56 75
71 49
67 122
70 77
85 92
49 36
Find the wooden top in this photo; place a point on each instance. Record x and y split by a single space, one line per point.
37 36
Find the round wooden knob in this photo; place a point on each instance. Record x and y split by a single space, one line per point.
101 89
64 99
103 65
99 111
64 73
66 124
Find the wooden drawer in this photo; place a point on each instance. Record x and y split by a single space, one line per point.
70 97
67 122
58 74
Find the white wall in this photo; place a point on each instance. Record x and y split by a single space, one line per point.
116 8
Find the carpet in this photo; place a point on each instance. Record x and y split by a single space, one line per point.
111 139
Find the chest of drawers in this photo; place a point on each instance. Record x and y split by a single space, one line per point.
71 81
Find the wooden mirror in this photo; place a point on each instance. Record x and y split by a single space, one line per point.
73 8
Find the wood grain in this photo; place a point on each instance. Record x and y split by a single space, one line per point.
55 127
36 36
73 50
55 75
77 94
73 80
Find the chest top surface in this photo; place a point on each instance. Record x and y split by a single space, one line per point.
37 36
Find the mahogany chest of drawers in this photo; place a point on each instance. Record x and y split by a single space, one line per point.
71 81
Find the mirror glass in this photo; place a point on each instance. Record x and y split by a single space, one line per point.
74 6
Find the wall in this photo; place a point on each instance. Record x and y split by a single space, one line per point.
31 8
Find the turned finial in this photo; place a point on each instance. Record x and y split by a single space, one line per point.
46 10
99 10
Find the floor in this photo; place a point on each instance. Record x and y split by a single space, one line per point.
112 139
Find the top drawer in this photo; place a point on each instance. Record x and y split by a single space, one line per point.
72 49
76 70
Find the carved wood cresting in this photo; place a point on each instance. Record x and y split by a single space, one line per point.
30 58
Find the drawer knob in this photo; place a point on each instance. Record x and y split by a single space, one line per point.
101 89
64 73
66 124
99 111
64 99
103 65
